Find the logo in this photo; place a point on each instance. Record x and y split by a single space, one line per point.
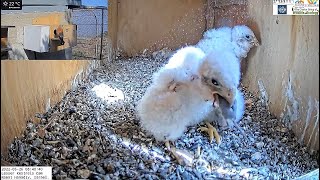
312 1
282 9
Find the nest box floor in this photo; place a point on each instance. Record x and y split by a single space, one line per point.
94 133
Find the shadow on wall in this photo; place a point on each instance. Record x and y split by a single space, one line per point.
231 15
253 25
19 53
64 54
24 54
67 16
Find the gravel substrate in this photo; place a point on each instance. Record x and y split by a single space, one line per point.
87 136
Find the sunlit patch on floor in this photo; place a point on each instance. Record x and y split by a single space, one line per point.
107 93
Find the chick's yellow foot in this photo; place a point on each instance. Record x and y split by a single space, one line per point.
167 144
183 158
212 131
173 151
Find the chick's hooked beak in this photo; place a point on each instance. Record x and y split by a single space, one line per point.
255 42
229 95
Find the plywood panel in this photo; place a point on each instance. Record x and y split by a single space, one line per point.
145 24
230 15
229 12
112 28
285 66
27 87
51 19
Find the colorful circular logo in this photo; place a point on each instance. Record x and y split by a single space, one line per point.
312 1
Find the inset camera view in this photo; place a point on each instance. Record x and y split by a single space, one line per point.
53 29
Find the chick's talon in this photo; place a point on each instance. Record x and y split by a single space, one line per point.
213 133
167 144
174 153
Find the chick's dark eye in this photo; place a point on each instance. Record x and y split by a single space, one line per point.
247 36
214 82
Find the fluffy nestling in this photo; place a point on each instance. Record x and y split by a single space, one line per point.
165 112
239 39
227 74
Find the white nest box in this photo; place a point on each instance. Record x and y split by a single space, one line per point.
36 38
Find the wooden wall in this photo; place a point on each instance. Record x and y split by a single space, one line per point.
28 86
144 24
284 68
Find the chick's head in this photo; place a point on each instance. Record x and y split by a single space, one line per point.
244 37
220 74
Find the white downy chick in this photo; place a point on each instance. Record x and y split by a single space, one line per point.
166 113
239 39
